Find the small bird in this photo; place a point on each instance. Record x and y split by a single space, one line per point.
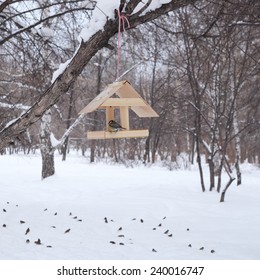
121 235
49 246
154 228
190 245
79 220
75 217
4 225
170 235
153 250
166 231
141 220
212 251
120 229
112 242
106 220
121 243
159 225
202 248
188 229
113 126
27 241
38 242
22 222
66 231
4 210
27 231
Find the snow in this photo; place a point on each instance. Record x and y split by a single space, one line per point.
144 201
62 67
103 11
155 4
54 142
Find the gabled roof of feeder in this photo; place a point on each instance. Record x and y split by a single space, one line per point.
122 89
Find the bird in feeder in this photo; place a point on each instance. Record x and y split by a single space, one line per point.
113 126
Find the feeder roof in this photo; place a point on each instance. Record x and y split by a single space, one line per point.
124 90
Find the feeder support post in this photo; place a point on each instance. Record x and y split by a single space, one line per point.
110 115
124 117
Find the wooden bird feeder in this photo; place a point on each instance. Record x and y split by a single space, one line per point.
127 98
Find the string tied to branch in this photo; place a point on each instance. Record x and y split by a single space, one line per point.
122 21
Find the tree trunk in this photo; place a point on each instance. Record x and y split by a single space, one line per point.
237 149
211 173
147 150
222 197
199 164
46 148
66 142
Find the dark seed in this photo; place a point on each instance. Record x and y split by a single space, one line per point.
121 243
189 245
212 251
112 242
4 225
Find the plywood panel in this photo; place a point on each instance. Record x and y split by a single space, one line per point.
127 91
123 102
117 135
124 117
110 115
104 95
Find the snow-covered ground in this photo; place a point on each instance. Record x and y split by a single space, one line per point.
102 211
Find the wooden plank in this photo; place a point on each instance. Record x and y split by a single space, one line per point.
117 135
124 117
110 115
123 102
105 94
127 91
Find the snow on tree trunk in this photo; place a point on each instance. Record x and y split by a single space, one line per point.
47 150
